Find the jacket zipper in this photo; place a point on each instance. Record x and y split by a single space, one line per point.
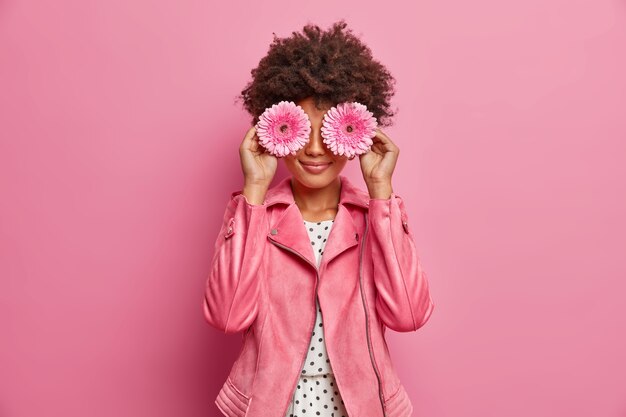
367 328
314 315
369 347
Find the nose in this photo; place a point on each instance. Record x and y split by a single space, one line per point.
315 146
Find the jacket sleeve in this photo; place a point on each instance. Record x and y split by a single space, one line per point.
403 298
234 281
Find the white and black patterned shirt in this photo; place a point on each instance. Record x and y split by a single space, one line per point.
317 362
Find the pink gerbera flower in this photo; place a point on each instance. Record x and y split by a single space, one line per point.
348 129
283 128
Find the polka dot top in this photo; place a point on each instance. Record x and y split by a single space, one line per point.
318 234
317 362
317 393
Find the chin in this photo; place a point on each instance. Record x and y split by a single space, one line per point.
315 181
320 180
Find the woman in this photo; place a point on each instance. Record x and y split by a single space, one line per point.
315 269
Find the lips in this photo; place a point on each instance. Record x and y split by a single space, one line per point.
315 164
314 167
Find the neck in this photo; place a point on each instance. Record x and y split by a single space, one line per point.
317 200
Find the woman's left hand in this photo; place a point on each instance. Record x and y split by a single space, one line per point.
378 164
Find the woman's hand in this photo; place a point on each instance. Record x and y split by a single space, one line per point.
258 167
378 164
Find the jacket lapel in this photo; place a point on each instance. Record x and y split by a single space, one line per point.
289 230
343 235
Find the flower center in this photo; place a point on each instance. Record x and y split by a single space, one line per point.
283 128
349 128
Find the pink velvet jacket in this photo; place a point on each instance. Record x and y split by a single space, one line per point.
263 281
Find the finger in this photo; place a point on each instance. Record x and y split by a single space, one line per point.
246 137
383 137
251 140
381 146
378 139
250 134
384 141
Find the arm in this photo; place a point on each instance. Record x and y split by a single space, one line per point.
234 282
403 298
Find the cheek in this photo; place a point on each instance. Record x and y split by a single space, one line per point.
290 163
340 163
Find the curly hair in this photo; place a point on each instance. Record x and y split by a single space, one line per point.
332 67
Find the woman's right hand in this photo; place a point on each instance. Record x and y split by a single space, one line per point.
258 165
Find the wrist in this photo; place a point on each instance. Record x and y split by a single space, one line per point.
380 190
255 193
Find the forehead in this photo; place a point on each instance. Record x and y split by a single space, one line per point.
308 105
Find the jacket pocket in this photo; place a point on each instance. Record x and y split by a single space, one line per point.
398 404
231 401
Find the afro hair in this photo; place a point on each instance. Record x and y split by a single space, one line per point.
332 67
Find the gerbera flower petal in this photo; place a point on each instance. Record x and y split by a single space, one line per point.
348 129
283 128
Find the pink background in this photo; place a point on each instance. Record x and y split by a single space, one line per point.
118 150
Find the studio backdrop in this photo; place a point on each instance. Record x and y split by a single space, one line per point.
119 135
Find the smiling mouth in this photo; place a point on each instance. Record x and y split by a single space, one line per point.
315 167
314 164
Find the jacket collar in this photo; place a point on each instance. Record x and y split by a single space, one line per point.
349 194
289 231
